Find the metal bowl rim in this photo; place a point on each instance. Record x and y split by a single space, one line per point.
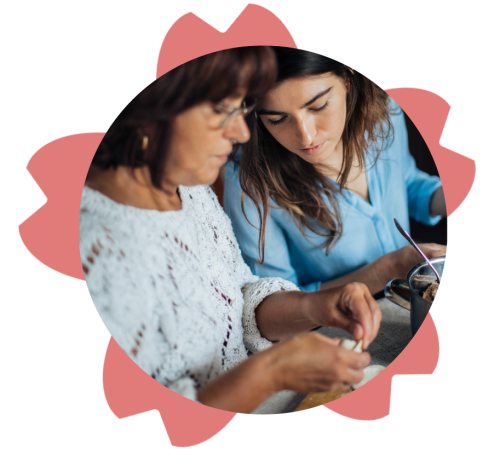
416 267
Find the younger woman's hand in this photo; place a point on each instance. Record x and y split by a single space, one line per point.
311 362
407 257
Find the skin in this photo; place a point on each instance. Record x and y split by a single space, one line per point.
303 362
307 116
299 124
296 123
195 158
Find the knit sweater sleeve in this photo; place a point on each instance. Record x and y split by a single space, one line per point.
254 289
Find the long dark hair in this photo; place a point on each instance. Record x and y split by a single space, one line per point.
212 77
268 171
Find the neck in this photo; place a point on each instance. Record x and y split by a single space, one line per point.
331 167
133 187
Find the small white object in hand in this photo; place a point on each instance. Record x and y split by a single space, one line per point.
370 371
351 345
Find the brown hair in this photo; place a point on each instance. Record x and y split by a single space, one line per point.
212 77
268 171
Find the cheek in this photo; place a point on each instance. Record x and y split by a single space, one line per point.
334 124
280 133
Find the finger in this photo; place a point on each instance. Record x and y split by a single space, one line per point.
366 317
350 365
376 320
375 317
350 324
357 302
357 361
433 249
374 309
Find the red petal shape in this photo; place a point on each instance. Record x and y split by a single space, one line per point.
372 401
428 112
254 26
51 233
129 391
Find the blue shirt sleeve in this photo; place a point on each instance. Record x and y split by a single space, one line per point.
419 185
277 261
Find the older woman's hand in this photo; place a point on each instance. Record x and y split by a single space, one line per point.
350 307
311 363
307 363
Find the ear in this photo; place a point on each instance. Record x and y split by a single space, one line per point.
146 134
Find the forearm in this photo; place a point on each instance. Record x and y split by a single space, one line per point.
393 265
438 204
375 275
244 387
284 314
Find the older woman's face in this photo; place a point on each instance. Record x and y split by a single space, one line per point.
199 147
307 115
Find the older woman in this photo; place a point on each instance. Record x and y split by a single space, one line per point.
164 268
325 172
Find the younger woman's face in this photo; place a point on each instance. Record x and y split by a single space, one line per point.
307 116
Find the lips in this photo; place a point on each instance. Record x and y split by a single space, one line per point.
222 156
313 150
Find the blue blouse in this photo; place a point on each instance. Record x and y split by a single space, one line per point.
397 189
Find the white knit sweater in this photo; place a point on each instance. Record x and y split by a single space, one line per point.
172 287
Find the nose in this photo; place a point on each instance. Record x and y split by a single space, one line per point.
305 131
237 129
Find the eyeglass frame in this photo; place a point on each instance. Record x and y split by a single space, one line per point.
232 112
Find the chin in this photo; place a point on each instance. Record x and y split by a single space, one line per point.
208 179
316 159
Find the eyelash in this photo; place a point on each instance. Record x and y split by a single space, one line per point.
277 122
320 108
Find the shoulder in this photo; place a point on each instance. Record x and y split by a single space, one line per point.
232 168
233 165
99 216
208 212
201 197
112 237
96 233
395 140
397 117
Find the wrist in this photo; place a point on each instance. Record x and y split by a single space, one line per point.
402 261
269 365
242 388
309 308
388 268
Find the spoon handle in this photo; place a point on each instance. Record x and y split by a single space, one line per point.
410 240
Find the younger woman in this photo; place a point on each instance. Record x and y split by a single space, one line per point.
324 174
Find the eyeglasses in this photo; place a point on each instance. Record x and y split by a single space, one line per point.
231 113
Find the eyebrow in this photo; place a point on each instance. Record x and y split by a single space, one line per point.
310 102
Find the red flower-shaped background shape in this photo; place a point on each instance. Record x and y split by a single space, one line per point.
51 234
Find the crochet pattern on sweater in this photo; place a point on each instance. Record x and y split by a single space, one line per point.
172 287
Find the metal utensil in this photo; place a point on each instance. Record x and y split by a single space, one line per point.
407 237
409 293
